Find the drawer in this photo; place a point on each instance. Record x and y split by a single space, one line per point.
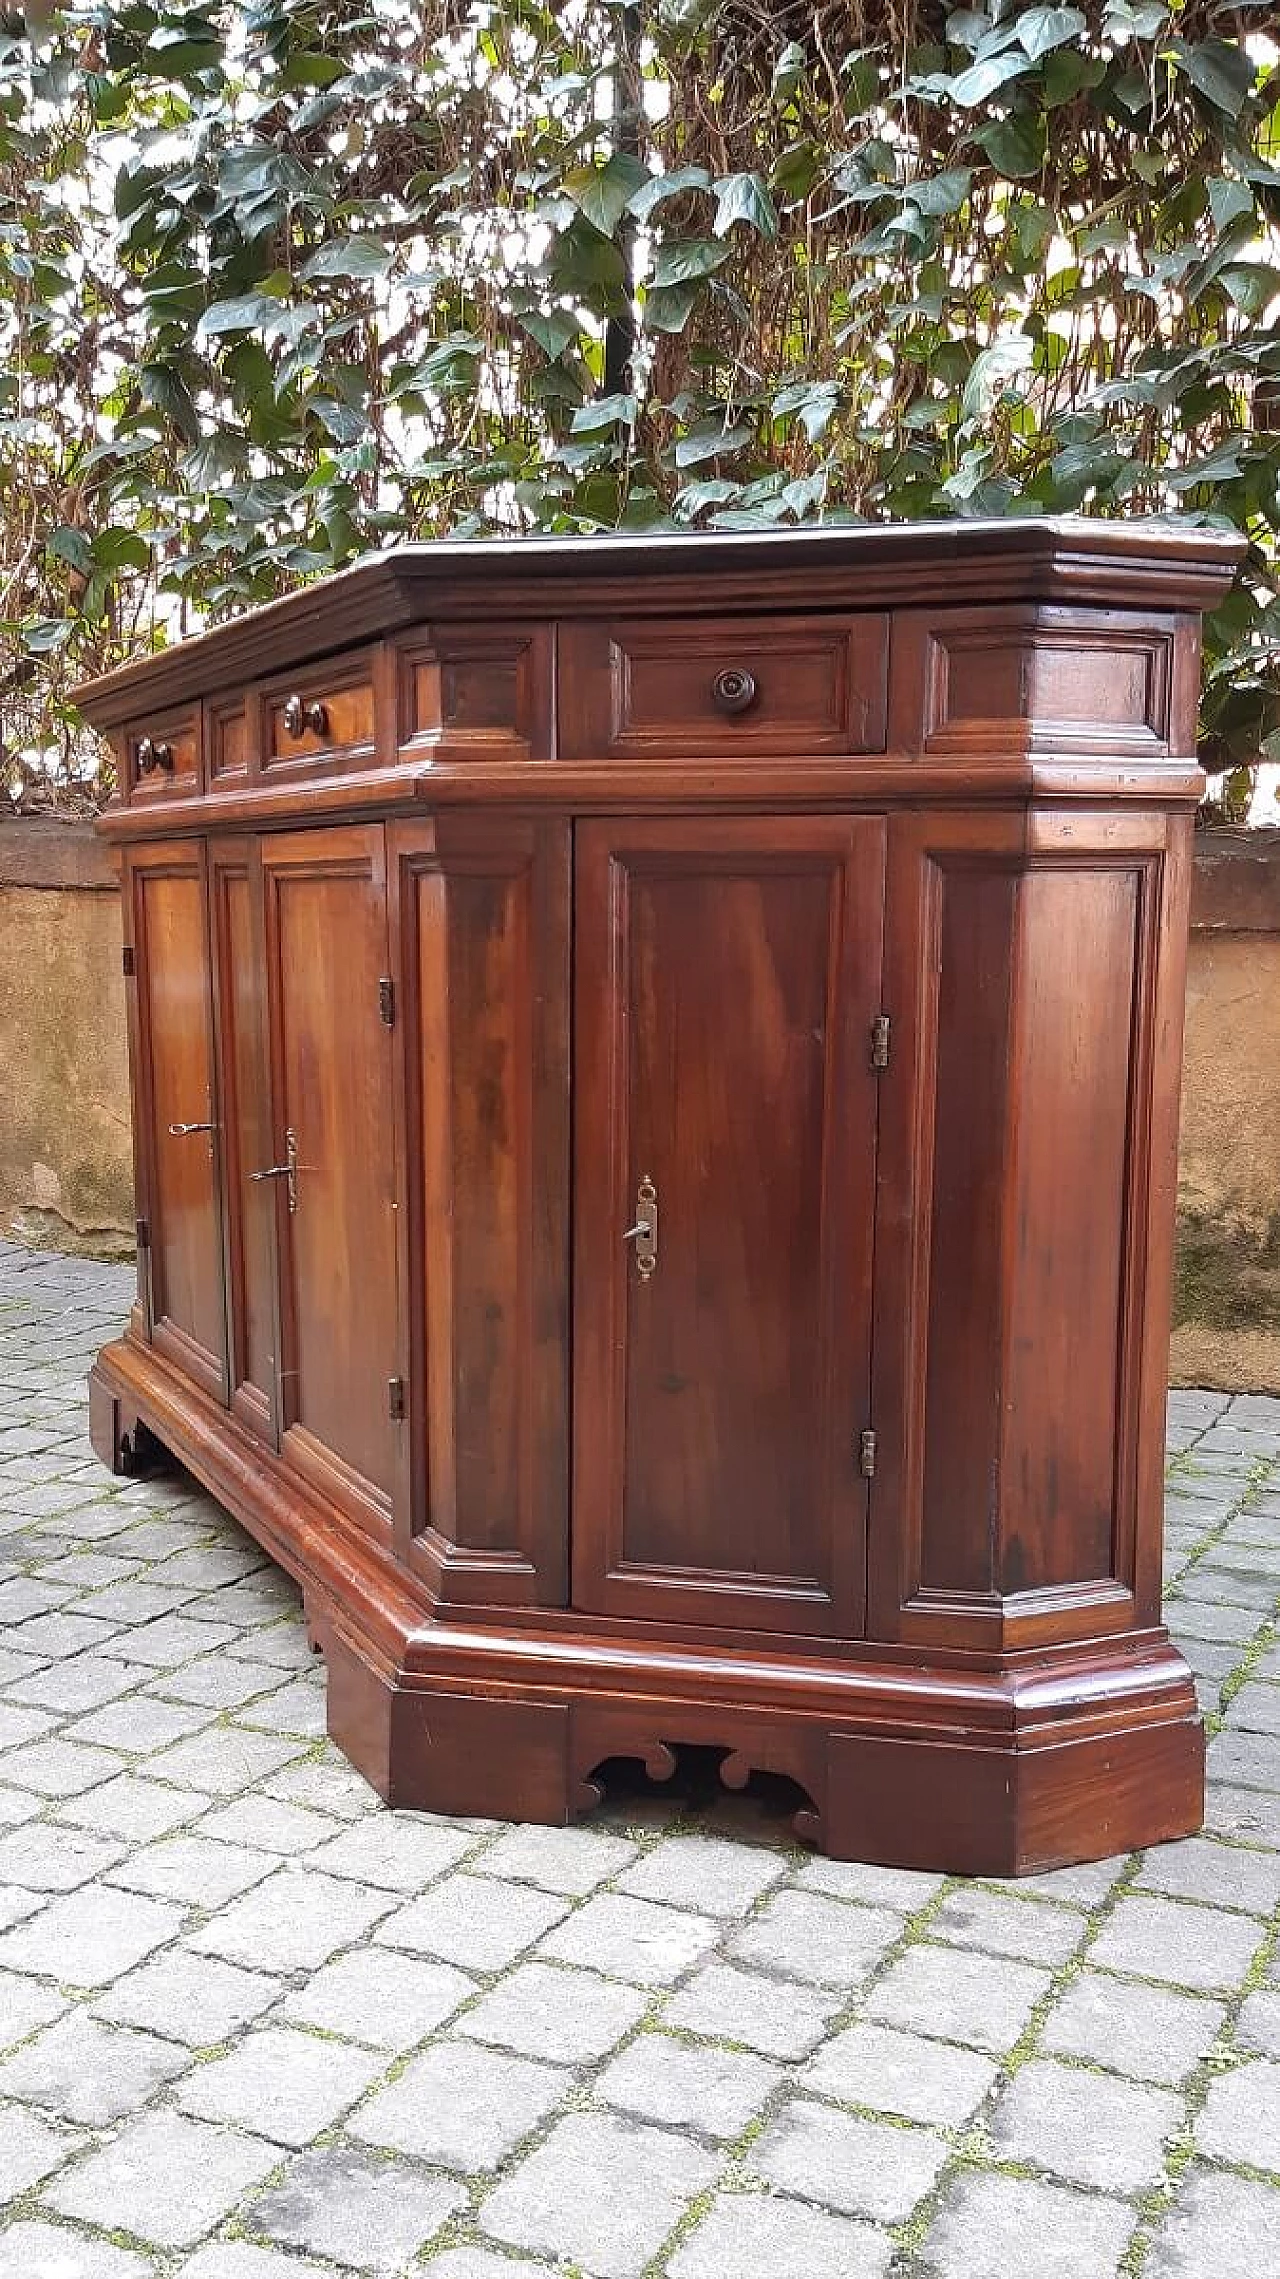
725 686
161 759
321 713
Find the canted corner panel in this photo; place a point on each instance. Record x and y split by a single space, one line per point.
1034 1034
1077 1205
467 693
1050 680
483 914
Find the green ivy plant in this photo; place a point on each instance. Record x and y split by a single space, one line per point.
288 280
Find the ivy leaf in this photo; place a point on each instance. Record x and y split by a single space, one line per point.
1067 72
1016 146
602 194
586 263
249 312
313 70
711 490
214 457
346 423
1033 225
1046 28
71 546
812 402
605 411
116 549
967 28
1134 19
553 329
942 193
789 71
1221 466
668 308
990 370
681 260
711 439
745 198
46 635
984 77
656 189
1229 202
1222 73
796 170
450 365
355 258
164 387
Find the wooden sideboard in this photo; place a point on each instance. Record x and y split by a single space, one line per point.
655 1077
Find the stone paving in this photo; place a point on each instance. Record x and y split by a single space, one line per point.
252 2026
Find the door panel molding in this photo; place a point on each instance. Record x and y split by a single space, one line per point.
179 1176
240 1028
331 1080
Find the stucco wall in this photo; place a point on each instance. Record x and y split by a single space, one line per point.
1227 1301
66 1173
65 1165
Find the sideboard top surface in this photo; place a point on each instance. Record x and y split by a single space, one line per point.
1149 564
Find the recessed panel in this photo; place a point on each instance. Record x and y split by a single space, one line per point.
1067 1226
975 917
182 1164
1040 679
327 942
246 1135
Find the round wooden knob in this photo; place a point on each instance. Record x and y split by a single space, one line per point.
734 690
164 758
299 717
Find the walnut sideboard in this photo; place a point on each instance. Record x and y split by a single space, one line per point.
655 1073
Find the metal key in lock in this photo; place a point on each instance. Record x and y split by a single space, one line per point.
644 1234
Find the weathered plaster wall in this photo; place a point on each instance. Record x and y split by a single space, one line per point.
1227 1301
66 1174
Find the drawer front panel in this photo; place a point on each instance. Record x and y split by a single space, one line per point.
320 715
747 687
162 759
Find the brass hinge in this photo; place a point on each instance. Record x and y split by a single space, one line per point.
867 1455
128 963
395 1399
387 1002
143 1231
880 1031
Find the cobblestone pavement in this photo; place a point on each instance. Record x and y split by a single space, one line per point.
252 2026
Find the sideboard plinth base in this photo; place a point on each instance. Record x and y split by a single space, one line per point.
994 1768
949 1806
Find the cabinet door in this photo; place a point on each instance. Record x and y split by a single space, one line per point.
176 1108
333 1160
728 976
235 915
